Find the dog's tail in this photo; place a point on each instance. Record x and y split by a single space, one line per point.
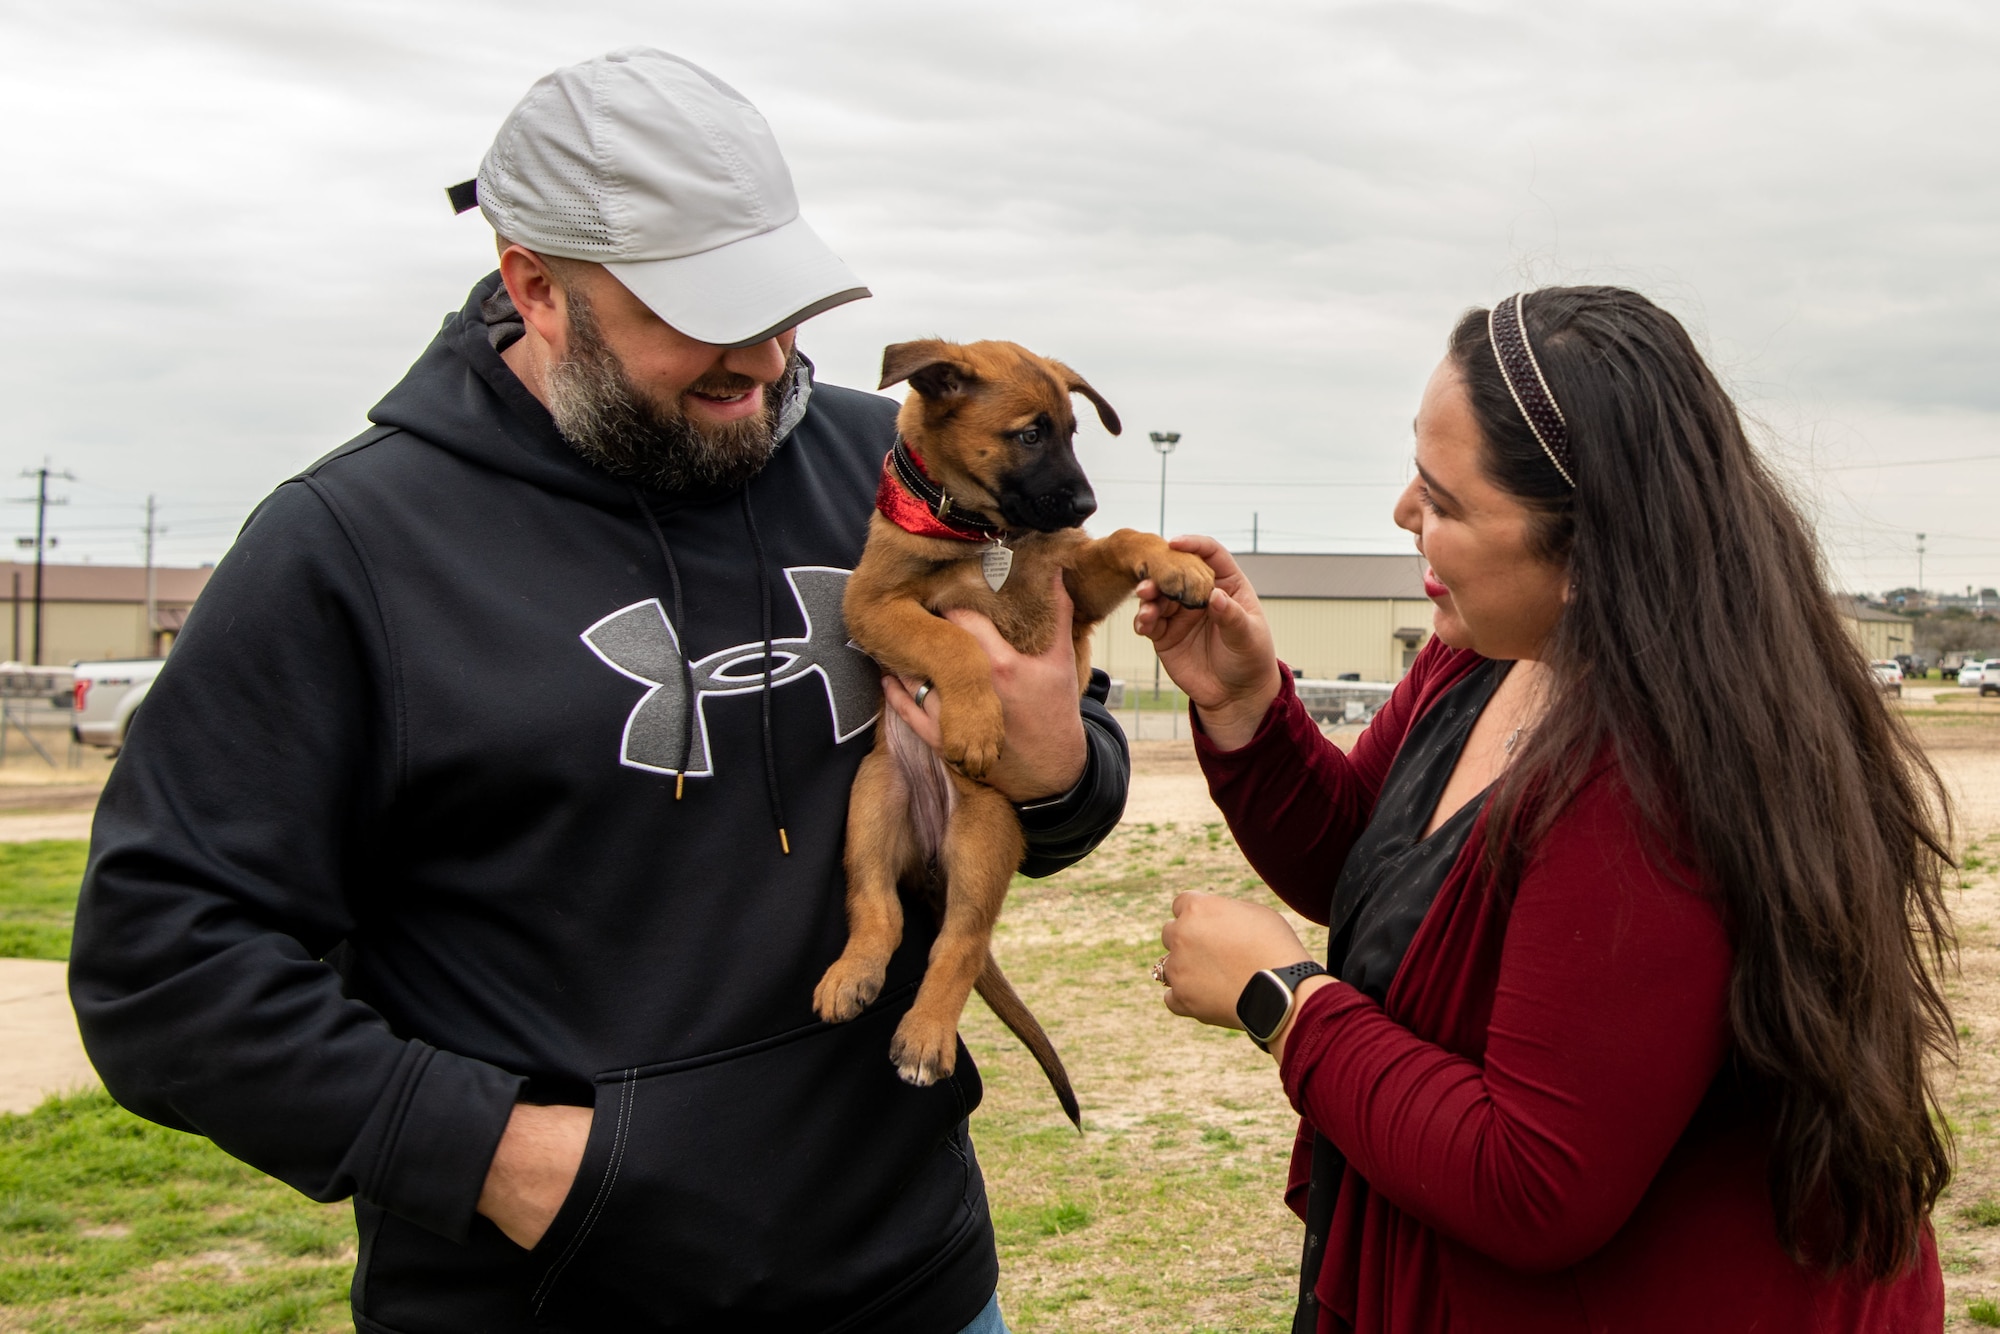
1004 1001
925 778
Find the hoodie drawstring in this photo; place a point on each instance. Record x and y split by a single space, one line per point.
680 631
689 721
771 787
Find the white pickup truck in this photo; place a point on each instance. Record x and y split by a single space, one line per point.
107 695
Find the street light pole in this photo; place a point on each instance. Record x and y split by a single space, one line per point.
1164 442
152 586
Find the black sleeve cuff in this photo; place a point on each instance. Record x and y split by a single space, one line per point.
1063 830
433 1136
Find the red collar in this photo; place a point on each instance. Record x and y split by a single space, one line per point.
909 499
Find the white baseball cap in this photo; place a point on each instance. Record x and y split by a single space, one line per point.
653 167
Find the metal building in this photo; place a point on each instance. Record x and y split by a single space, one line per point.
1881 634
96 611
1332 615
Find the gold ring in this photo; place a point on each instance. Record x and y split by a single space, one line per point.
1160 971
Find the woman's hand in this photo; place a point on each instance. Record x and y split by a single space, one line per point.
1222 654
1215 946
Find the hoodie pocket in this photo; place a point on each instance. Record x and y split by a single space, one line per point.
793 1177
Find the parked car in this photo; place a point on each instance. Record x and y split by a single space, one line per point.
107 695
1343 700
1888 675
1981 672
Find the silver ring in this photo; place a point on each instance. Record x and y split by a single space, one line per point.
920 694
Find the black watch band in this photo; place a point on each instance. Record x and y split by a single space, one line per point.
1268 999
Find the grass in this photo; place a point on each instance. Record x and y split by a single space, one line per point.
1165 1213
1139 695
38 884
108 1222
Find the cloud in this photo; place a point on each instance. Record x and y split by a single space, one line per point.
1251 223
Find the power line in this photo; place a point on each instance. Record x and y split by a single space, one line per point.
1900 463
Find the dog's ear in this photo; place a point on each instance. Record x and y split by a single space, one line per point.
933 367
1076 384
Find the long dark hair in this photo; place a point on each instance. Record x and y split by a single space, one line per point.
1701 650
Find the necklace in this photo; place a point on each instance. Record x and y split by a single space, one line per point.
1507 746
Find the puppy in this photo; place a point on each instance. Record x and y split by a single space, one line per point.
979 505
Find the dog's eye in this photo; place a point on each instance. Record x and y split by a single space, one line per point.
1031 436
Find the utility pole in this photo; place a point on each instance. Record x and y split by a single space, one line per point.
1920 569
42 540
1253 532
152 615
1164 442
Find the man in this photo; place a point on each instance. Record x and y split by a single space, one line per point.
479 850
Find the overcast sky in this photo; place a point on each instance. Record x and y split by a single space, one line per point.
1250 223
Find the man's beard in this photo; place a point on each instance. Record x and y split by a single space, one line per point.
616 425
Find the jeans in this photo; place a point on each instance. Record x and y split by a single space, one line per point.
987 1321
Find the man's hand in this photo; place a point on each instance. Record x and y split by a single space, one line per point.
1045 751
533 1169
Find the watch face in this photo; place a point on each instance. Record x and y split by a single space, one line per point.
1264 1005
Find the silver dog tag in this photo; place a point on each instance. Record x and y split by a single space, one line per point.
995 562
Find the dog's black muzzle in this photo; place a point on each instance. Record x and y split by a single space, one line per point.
1049 511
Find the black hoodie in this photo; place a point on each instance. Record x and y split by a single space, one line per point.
394 844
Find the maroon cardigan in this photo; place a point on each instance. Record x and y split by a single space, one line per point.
1540 1132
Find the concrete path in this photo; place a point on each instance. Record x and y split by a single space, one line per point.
1167 783
40 1052
1170 798
33 828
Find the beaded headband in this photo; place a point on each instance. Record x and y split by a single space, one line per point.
1507 330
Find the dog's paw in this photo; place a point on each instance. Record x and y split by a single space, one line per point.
924 1052
973 733
1183 577
847 989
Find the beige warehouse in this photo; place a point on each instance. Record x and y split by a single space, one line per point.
1330 614
95 611
1881 634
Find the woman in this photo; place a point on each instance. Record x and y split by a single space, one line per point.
1633 886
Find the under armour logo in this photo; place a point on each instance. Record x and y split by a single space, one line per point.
640 642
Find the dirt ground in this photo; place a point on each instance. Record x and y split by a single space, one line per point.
1965 747
39 799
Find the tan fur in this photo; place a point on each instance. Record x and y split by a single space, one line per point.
969 402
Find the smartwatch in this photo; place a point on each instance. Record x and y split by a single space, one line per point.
1268 998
